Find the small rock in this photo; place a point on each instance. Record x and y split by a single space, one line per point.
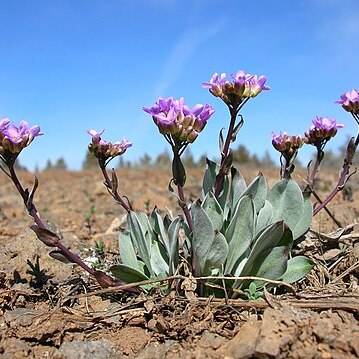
100 349
156 350
116 225
243 345
211 340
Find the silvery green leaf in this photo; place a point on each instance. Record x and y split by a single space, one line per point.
221 140
138 236
239 268
267 239
146 226
202 239
217 254
287 201
127 251
173 235
265 216
258 189
158 262
160 229
306 218
269 256
298 268
271 264
222 198
127 274
238 186
240 232
210 176
213 210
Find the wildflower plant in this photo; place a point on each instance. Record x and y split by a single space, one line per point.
234 239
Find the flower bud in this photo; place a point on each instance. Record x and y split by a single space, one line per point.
286 144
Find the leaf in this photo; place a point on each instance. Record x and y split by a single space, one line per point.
238 186
45 235
266 240
160 229
305 219
240 232
221 140
287 201
298 267
217 253
265 216
127 251
258 189
173 235
209 176
138 237
222 198
272 263
213 210
127 274
203 234
158 263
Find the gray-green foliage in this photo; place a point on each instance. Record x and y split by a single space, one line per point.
247 231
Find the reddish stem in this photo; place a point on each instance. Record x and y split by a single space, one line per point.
103 279
352 146
114 192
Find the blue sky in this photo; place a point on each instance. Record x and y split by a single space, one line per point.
71 65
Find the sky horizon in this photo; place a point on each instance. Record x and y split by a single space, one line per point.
73 65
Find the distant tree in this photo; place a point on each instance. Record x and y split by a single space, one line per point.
145 161
188 160
60 164
267 161
241 155
48 165
90 161
163 161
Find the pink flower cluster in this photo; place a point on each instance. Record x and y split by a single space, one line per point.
176 119
104 150
14 138
242 87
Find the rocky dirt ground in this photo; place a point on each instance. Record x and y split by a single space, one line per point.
70 317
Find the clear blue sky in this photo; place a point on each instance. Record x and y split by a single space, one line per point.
71 65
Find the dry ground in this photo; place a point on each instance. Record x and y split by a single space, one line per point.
69 318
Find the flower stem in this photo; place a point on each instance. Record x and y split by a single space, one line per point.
311 178
112 188
184 207
344 174
225 152
103 279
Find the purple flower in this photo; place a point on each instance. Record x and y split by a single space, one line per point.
286 144
244 86
175 119
3 123
350 101
15 138
104 150
322 130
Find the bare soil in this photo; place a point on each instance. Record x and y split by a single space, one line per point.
70 317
